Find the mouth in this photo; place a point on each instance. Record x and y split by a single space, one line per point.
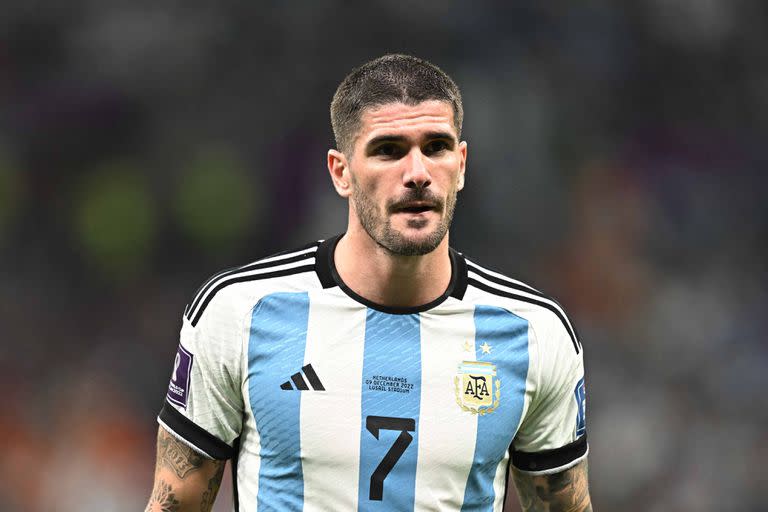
416 207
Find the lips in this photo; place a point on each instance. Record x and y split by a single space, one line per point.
415 207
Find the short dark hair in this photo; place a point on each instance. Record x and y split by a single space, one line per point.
391 78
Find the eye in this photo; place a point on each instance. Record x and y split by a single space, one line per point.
388 150
436 146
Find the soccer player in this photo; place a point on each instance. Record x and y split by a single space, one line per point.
379 369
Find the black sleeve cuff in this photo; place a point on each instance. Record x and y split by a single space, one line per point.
551 461
197 437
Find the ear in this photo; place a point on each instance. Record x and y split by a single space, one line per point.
339 170
463 163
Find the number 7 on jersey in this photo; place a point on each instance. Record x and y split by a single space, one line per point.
376 423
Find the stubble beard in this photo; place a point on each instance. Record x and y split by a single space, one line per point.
379 226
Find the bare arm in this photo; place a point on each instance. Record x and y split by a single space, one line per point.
185 481
566 491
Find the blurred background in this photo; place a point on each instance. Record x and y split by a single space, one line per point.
616 160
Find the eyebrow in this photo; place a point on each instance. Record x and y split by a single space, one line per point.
399 138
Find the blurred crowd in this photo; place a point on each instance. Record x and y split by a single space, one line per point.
616 160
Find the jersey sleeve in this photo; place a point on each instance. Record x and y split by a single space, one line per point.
204 404
552 436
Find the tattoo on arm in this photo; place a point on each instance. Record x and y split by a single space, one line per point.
566 491
163 499
184 479
213 488
174 454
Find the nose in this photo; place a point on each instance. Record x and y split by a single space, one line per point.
416 175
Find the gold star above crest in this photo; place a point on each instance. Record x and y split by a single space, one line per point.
485 347
467 346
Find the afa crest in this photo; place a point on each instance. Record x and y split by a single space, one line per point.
478 388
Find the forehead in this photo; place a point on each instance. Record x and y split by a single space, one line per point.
407 120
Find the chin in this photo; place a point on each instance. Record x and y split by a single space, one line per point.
410 244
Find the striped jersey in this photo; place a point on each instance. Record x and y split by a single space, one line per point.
326 401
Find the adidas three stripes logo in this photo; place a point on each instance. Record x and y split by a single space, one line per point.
301 384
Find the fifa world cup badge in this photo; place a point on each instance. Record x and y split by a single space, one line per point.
478 388
178 387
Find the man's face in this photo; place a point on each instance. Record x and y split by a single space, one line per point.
406 169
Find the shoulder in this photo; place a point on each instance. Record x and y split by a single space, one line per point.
543 312
233 291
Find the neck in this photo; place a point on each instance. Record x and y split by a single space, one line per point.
390 279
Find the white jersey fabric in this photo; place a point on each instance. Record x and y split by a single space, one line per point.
326 401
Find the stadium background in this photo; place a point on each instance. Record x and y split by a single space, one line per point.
617 160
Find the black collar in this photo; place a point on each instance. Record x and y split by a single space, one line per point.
325 266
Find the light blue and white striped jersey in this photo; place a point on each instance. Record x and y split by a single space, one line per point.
328 402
